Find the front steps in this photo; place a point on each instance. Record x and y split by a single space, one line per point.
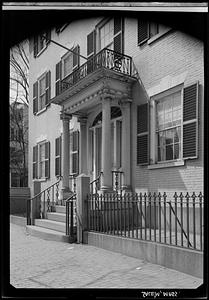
53 228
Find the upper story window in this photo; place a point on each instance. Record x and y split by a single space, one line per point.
167 127
40 43
67 63
150 31
42 92
106 33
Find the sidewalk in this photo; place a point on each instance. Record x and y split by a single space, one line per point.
37 263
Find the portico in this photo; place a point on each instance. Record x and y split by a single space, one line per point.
105 139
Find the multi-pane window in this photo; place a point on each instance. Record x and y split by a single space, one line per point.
40 42
42 92
168 127
58 156
107 34
41 160
74 151
67 65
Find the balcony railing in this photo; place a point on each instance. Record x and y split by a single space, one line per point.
106 58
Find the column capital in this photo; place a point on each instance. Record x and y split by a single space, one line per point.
82 120
106 94
65 116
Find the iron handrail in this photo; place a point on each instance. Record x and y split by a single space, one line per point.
37 195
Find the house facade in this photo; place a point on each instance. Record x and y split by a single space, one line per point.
124 105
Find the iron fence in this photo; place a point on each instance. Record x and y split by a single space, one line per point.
176 220
71 221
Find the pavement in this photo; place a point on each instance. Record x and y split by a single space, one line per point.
37 263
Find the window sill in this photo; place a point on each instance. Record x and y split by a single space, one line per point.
157 36
40 179
41 111
166 165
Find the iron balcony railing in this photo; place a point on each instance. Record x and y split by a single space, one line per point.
106 58
177 221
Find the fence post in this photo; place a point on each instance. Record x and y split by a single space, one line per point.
83 189
35 205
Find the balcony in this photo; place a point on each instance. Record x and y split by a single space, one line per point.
105 69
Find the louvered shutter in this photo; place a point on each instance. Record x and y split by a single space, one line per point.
48 87
35 46
143 134
76 63
35 97
58 78
143 31
91 50
190 121
58 146
35 162
47 159
118 35
74 144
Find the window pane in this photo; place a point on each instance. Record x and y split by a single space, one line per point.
177 135
169 137
68 65
169 152
176 151
42 84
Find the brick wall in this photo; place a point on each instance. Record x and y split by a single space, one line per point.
172 54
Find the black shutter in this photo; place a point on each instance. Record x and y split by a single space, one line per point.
47 159
48 87
35 46
35 97
118 35
76 58
143 134
58 78
58 148
190 122
91 43
35 162
143 31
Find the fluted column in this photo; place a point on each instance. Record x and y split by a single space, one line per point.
106 178
82 146
126 145
65 155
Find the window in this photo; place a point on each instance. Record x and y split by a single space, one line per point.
58 149
150 31
69 63
40 43
74 152
167 127
106 35
42 92
41 161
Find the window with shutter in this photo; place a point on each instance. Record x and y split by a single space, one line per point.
118 35
190 121
40 43
42 92
91 50
58 146
143 134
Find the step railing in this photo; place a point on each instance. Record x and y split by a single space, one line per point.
47 200
95 184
